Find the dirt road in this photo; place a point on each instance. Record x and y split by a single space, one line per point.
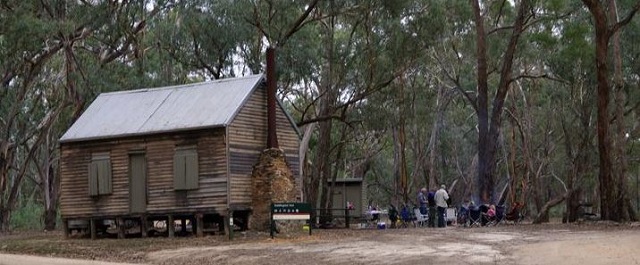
521 244
9 259
585 248
429 246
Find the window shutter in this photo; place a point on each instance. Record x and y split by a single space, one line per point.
93 178
178 171
104 176
100 174
191 172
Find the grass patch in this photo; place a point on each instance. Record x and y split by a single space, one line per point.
27 217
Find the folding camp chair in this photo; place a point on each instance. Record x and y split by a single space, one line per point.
475 216
463 216
405 216
515 215
421 219
451 215
488 220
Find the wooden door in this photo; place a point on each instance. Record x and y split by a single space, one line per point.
138 183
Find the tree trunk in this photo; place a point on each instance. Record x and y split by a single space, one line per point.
50 218
489 126
51 199
401 154
481 193
399 164
608 186
620 139
441 106
5 217
326 106
323 157
6 158
402 170
308 186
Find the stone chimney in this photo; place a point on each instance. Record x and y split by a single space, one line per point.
271 182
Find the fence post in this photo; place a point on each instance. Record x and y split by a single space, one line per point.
229 224
171 226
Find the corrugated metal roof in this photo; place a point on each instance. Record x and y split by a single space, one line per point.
199 105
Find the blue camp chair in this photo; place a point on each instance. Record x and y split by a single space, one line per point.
405 216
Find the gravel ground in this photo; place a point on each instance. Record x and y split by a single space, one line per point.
585 244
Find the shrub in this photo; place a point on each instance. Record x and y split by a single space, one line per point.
27 217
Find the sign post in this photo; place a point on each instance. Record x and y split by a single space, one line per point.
290 211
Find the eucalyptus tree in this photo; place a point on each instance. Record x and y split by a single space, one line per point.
613 195
493 29
489 125
31 34
51 51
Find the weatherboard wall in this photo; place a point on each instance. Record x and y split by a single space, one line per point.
247 139
211 194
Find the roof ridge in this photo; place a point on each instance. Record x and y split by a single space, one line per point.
153 89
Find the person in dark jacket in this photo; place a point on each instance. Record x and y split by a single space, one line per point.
431 202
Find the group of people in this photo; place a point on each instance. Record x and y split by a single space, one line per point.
485 214
432 203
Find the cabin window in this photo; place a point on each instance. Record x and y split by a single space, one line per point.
100 174
185 168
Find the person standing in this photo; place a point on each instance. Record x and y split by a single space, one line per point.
441 198
422 200
431 202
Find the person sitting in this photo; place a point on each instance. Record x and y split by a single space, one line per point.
463 213
405 215
492 211
490 215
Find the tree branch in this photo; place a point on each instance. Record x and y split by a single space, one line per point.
624 21
297 25
130 38
542 76
499 29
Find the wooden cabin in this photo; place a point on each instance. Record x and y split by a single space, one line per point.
180 153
